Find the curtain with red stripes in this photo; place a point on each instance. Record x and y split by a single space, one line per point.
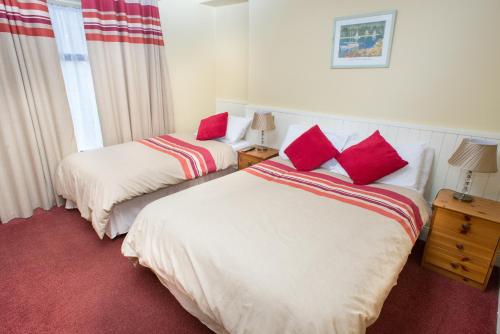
127 55
36 130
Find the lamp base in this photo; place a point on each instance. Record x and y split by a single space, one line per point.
463 197
260 148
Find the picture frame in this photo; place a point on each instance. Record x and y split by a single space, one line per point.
363 41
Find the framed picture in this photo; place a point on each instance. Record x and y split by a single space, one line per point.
363 41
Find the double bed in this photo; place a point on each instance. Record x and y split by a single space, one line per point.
270 249
110 186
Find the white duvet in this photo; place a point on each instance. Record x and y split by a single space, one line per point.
98 180
247 254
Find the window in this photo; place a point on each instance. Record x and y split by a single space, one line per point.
67 23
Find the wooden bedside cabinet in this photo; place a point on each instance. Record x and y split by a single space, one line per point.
463 239
252 157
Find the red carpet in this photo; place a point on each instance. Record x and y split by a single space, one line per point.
56 276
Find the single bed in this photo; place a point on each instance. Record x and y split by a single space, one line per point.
273 250
110 186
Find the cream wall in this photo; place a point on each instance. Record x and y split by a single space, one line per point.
231 45
444 71
189 31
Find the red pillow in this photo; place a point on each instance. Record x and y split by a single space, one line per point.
310 150
212 127
370 160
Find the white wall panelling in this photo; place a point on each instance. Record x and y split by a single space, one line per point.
236 108
444 141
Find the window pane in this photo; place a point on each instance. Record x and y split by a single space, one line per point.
67 23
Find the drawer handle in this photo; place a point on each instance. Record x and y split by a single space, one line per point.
465 228
460 246
467 218
464 268
464 259
454 265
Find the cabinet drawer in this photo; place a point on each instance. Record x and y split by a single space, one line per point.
461 248
245 161
442 259
465 228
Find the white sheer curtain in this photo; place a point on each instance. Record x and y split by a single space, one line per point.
67 23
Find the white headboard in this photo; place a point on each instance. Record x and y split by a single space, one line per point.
443 140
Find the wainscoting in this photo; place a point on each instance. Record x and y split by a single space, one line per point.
444 142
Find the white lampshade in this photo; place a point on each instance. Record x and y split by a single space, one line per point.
263 121
476 155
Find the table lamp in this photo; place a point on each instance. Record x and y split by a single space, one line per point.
474 155
263 121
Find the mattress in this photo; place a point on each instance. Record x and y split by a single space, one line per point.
272 250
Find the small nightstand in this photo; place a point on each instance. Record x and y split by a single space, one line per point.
463 239
252 157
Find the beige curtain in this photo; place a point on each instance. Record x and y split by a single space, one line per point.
36 131
128 61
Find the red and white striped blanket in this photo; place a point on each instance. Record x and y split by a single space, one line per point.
195 160
382 201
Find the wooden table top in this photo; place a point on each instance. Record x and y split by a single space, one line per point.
480 207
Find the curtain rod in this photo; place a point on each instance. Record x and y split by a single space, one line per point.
66 3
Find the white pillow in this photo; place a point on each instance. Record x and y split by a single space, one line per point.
295 130
414 175
333 165
409 175
337 169
426 169
236 129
